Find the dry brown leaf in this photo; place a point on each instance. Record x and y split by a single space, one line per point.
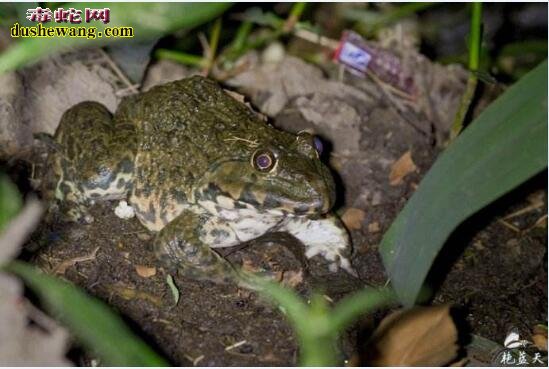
539 337
145 271
540 341
352 218
63 266
131 293
373 227
422 336
401 168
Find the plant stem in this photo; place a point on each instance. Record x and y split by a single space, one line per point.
351 307
475 37
213 43
241 35
293 18
181 57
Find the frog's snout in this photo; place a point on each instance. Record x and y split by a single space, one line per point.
321 197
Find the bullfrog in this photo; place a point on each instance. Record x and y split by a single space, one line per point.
202 171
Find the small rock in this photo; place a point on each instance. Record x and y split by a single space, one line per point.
124 211
274 53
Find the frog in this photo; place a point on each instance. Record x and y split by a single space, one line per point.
202 171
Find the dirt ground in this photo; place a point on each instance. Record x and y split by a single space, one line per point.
494 268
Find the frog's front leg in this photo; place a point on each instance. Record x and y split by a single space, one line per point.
326 237
180 247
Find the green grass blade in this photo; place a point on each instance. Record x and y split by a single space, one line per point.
503 147
10 201
89 319
148 20
364 301
293 306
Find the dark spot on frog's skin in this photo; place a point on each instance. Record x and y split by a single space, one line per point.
219 234
209 193
319 207
239 205
145 191
271 202
164 217
149 216
248 197
179 197
163 200
120 184
301 209
103 179
64 188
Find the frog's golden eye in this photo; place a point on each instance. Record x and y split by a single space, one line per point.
263 160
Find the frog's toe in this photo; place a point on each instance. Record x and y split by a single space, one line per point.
78 215
335 254
344 264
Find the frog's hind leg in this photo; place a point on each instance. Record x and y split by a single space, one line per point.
94 160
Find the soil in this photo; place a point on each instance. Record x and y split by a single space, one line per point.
493 268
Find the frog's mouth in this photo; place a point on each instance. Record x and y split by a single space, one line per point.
313 198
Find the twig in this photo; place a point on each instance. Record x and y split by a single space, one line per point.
316 38
180 57
119 73
386 90
509 225
293 18
62 267
525 210
212 46
233 346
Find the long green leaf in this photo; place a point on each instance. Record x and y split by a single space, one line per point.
10 201
89 319
502 148
148 20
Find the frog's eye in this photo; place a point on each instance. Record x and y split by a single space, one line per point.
263 160
318 145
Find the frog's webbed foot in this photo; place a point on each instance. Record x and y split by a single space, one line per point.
180 248
71 210
325 237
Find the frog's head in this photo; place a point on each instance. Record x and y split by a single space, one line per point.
284 173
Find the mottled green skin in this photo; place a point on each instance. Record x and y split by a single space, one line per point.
183 152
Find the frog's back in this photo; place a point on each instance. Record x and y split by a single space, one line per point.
182 128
